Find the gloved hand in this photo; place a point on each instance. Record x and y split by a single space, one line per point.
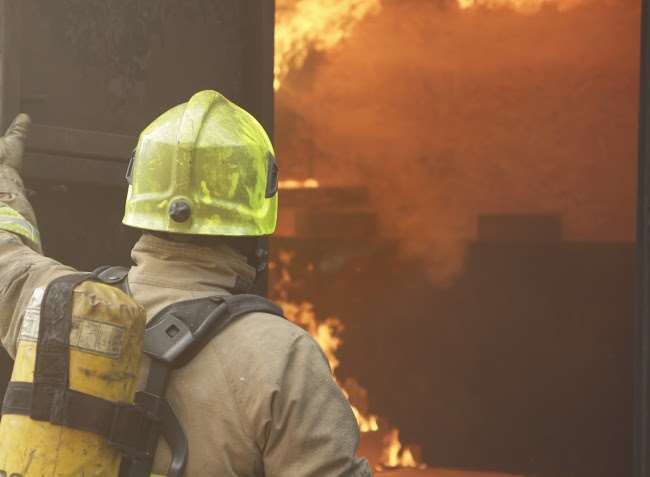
16 213
12 144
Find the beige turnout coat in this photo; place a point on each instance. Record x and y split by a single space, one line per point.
259 400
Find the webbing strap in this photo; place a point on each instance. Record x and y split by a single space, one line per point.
181 330
195 323
239 305
52 353
124 425
170 428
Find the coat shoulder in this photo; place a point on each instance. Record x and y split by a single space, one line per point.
266 345
255 329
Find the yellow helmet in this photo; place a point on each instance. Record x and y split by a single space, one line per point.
205 167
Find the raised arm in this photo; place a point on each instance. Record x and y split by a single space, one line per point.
16 213
23 268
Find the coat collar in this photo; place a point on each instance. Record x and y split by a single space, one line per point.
187 266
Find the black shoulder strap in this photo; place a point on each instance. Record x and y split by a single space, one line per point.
239 305
6 368
51 370
172 338
179 331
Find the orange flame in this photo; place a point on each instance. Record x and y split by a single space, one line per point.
396 455
521 6
303 26
366 423
327 333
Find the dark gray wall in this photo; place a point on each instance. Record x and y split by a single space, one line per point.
523 365
112 67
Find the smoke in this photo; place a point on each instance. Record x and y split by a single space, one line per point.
446 114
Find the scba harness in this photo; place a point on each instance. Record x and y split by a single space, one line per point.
172 338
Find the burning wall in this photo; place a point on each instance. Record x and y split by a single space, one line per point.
446 112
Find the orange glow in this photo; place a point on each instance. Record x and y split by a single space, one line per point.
295 184
304 26
522 6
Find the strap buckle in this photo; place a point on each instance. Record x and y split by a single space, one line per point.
166 424
134 430
170 338
166 340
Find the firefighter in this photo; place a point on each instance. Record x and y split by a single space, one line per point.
259 399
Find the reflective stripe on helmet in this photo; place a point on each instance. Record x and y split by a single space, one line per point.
12 221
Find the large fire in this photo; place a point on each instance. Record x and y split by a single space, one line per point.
327 333
303 26
500 115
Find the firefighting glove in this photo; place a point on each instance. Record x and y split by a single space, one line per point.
12 144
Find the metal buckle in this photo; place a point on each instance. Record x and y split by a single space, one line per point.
131 431
167 339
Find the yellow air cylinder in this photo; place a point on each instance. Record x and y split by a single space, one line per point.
105 350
